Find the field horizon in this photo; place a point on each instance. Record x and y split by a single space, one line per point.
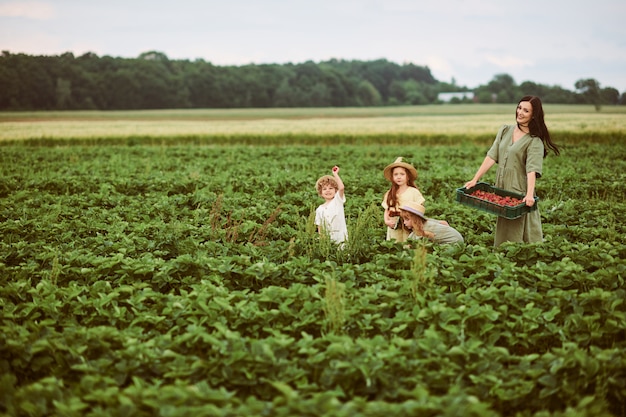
470 120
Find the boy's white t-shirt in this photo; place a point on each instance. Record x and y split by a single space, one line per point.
331 218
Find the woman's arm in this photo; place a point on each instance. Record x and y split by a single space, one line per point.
531 179
488 162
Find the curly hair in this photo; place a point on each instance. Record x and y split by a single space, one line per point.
324 181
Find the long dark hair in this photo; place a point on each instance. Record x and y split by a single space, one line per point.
392 196
537 126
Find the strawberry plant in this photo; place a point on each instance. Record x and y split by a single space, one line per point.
178 280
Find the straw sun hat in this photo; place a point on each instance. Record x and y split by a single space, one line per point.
415 208
388 172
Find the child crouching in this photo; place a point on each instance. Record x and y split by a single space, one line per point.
439 231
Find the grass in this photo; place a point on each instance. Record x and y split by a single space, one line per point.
470 120
296 113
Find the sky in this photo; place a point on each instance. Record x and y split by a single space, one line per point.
549 42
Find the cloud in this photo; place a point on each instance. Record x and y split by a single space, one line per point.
466 40
508 62
35 10
439 67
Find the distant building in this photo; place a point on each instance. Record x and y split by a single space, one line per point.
447 97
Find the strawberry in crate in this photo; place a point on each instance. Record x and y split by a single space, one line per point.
497 199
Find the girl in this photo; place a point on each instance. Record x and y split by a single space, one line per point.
439 231
403 190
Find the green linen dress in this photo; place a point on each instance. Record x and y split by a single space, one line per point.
514 161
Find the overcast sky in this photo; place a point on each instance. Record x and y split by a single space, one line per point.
551 42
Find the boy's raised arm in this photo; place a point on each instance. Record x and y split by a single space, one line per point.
340 186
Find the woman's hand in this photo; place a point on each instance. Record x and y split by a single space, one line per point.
529 200
470 184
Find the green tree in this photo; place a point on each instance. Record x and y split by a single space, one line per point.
368 95
484 96
63 92
408 92
124 90
319 96
261 83
34 87
341 87
284 95
589 89
154 81
501 89
397 92
417 73
609 95
9 82
204 83
86 91
548 94
157 83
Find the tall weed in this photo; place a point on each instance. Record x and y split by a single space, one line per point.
258 237
313 244
419 278
363 235
333 306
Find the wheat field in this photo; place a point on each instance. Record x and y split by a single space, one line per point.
470 120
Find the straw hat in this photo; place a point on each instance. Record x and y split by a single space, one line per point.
415 208
388 172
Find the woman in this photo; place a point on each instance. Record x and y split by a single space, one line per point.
403 190
519 151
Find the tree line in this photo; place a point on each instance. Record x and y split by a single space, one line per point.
152 81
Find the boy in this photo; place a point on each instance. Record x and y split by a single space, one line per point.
329 216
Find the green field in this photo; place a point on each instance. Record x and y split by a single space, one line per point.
150 272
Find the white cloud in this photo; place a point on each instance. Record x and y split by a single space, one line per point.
468 40
508 62
28 9
439 67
